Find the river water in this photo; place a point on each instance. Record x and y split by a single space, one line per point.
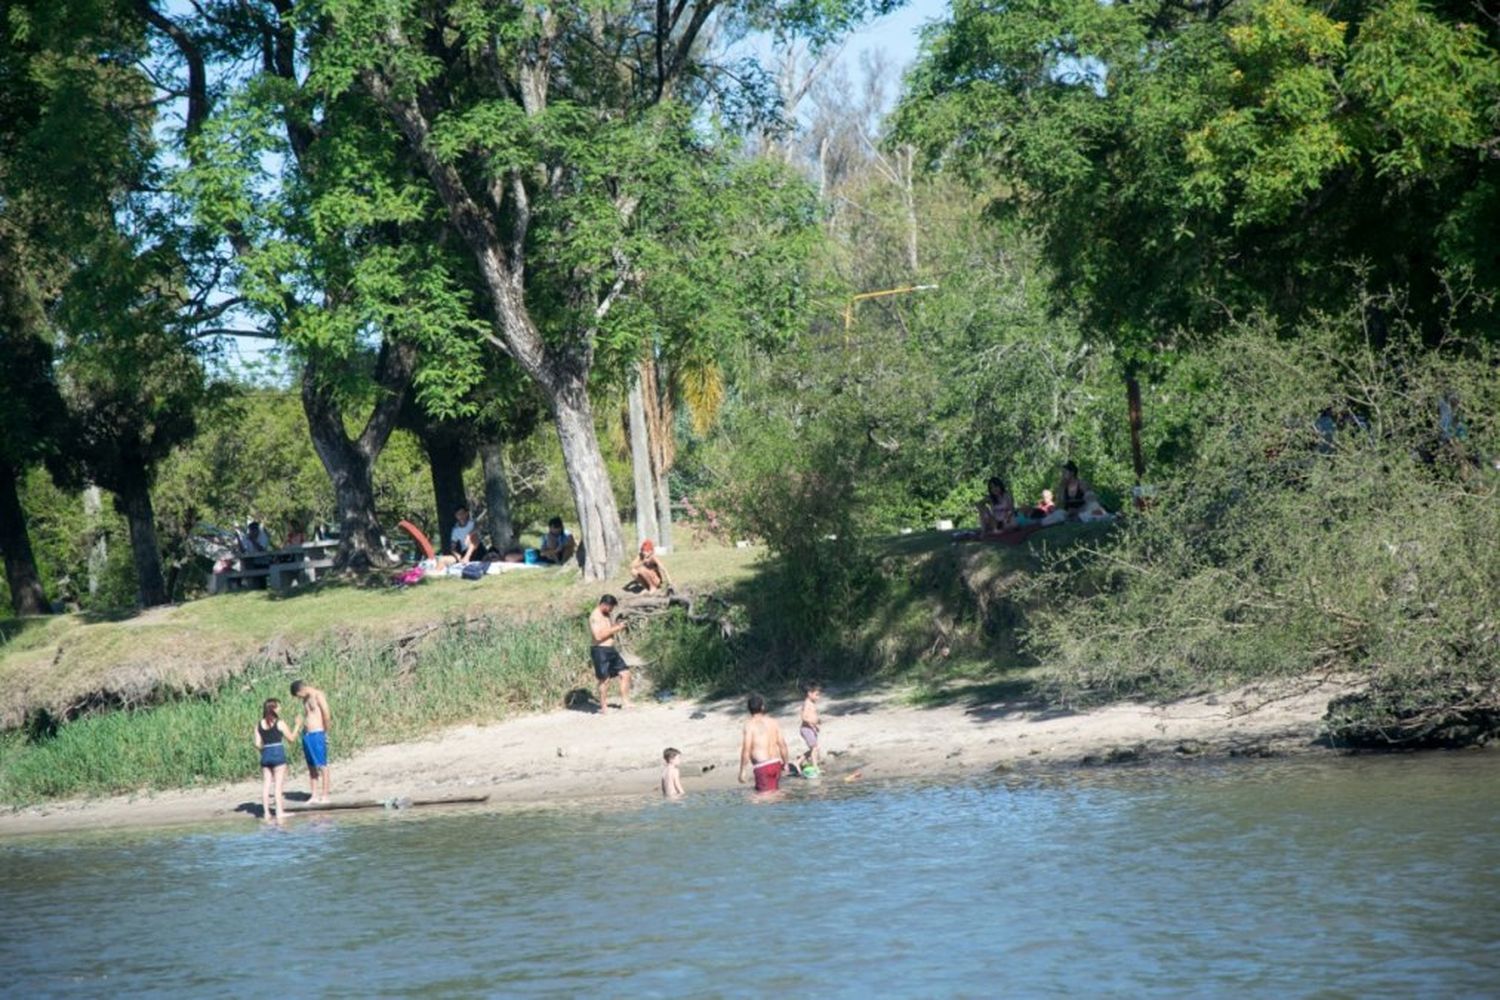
1331 878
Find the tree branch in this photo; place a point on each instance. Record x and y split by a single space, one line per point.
224 331
197 91
393 375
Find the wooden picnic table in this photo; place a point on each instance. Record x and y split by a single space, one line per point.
281 568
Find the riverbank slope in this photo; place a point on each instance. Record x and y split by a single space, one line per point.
874 734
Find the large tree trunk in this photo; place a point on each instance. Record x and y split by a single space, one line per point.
26 594
598 517
93 505
496 494
448 456
350 464
640 465
663 510
133 500
353 488
663 447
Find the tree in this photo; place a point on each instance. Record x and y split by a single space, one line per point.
336 253
1192 163
544 131
132 394
94 264
30 413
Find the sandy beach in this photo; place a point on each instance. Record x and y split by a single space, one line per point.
574 756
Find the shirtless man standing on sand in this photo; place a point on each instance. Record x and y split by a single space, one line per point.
607 659
315 718
762 747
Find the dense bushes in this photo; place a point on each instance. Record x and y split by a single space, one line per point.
1338 514
1330 506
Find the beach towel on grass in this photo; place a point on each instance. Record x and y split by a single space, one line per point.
1014 536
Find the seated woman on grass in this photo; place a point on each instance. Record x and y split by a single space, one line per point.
649 574
1072 492
1076 499
997 511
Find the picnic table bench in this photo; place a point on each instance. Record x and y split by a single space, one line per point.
281 568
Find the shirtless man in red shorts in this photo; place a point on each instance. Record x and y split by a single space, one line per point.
762 747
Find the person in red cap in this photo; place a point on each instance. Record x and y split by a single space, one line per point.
649 571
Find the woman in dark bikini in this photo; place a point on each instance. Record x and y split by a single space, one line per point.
1072 492
271 738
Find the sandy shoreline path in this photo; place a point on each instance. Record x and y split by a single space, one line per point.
574 756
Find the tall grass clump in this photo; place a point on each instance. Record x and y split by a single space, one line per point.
1338 514
379 692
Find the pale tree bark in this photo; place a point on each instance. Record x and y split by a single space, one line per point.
496 494
906 158
640 464
93 505
602 547
26 594
662 446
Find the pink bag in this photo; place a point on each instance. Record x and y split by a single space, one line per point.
409 577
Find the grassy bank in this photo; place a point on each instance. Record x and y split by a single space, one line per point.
939 613
917 609
165 699
381 693
65 662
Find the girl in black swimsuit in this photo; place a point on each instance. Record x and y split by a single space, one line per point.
1072 492
271 738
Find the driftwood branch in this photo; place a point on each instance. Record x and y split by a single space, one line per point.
700 609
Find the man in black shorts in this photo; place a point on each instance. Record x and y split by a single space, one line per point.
607 660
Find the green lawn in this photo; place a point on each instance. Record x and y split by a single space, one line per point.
54 662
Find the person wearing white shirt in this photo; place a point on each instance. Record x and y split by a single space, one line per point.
463 542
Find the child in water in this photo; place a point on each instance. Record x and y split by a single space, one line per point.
271 738
809 727
671 780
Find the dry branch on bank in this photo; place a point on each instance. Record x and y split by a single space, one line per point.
700 609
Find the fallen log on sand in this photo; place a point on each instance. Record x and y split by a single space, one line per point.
391 803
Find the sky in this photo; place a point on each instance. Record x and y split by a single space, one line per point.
897 33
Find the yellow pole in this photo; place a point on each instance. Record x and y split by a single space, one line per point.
849 307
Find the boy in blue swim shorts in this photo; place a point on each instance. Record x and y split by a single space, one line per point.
315 718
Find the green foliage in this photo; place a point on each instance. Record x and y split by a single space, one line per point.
1154 144
900 423
1334 516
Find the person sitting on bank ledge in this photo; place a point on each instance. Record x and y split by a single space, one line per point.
649 574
